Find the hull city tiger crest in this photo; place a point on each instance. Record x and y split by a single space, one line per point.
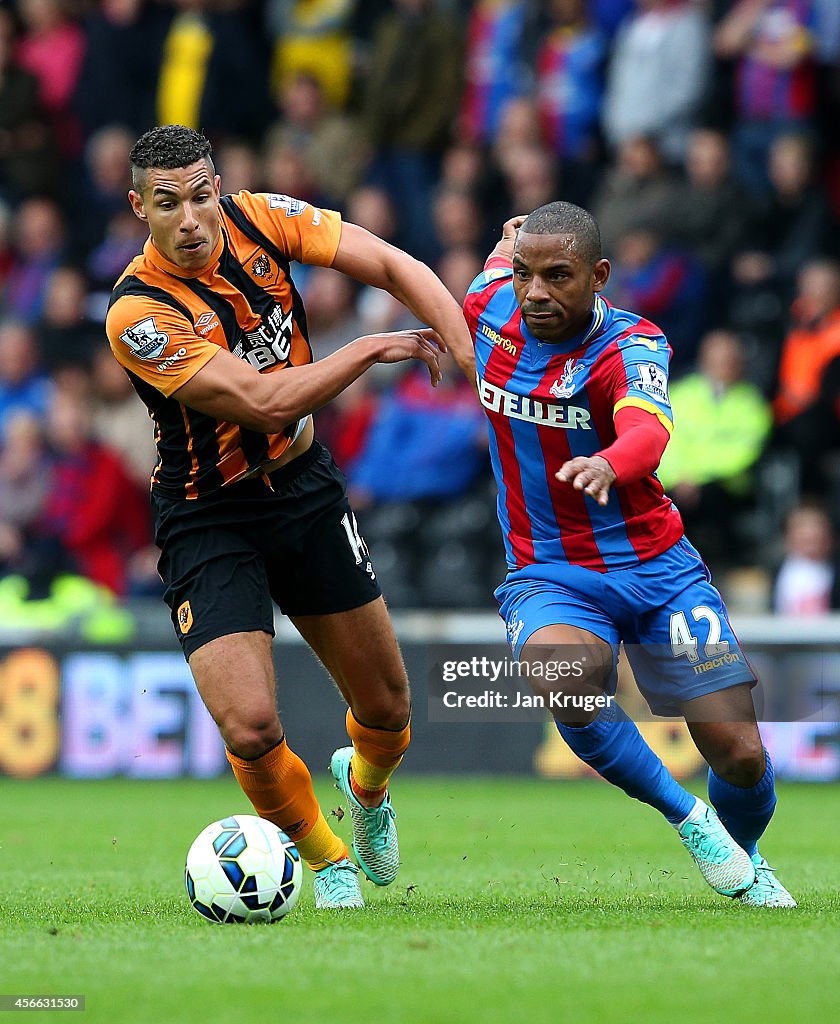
185 617
261 267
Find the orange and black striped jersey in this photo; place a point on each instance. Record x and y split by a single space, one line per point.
164 323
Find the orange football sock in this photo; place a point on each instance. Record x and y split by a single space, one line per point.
279 786
376 755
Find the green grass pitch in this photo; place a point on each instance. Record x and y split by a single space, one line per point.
518 901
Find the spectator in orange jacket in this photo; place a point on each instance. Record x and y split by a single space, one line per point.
811 346
812 343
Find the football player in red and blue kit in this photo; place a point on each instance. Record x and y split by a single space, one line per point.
576 397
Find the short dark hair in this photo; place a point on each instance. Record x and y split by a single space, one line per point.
168 146
567 219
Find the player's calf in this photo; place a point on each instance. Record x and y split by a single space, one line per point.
724 728
739 760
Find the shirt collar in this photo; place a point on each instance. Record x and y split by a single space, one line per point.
599 314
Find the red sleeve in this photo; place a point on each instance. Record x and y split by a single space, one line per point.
471 314
637 450
496 261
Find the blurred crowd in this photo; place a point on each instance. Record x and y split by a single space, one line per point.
701 133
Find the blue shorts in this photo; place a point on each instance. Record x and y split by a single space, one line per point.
671 619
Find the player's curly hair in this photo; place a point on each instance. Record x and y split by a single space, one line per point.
567 219
168 146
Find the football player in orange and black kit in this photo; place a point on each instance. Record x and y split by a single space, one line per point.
249 507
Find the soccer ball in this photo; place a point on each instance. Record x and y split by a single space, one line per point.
243 869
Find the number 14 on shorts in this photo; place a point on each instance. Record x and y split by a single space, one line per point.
357 543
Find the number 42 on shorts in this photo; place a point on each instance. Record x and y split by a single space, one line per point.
684 642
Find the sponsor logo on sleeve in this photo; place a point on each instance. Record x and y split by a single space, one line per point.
172 360
145 340
650 343
496 273
293 207
653 380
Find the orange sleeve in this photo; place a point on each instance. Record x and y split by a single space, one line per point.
303 232
156 343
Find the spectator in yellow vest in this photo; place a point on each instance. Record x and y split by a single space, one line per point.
721 423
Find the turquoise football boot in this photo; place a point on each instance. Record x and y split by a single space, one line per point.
722 862
375 841
766 890
337 886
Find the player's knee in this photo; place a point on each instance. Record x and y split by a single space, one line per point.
387 707
566 677
741 762
252 736
572 699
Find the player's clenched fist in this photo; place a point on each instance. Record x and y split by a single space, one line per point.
594 476
504 247
510 227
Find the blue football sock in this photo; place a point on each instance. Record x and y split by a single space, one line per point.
745 812
614 747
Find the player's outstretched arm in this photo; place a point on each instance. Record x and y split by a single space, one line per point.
369 259
228 388
504 247
635 453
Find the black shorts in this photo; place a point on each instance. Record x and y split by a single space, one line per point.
226 556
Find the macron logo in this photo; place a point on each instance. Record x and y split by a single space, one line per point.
499 339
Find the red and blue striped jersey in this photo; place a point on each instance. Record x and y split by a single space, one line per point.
549 403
